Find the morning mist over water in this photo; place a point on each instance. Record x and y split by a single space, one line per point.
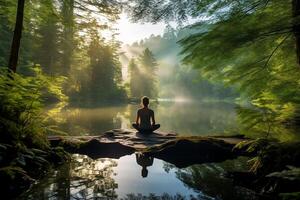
187 118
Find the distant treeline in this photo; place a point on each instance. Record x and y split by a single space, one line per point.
174 79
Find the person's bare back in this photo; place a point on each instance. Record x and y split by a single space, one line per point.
146 115
144 118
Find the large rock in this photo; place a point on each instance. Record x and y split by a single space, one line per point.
181 151
185 152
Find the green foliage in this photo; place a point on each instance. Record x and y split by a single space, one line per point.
257 55
268 120
103 83
143 75
292 173
46 46
21 120
156 10
271 156
149 70
135 79
55 34
255 147
252 146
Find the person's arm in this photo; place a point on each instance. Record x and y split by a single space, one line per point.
153 119
137 118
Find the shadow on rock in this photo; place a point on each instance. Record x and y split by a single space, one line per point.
96 149
183 153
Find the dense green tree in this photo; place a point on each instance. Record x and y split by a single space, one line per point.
56 36
296 26
142 73
115 47
149 76
46 52
104 84
5 33
68 22
135 79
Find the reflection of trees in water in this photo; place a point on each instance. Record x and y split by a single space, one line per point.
197 118
164 196
189 118
184 118
210 180
56 186
93 178
83 121
83 178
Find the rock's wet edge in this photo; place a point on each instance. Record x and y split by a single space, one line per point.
177 150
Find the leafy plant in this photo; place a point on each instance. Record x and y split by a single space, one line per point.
292 173
21 98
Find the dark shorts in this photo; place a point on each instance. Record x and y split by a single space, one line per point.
154 127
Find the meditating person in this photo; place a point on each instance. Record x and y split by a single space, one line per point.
144 118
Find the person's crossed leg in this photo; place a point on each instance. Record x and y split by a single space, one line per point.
149 130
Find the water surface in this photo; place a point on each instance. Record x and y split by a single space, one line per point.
105 178
184 118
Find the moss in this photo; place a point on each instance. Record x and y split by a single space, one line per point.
70 145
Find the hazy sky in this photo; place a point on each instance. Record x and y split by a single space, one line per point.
131 32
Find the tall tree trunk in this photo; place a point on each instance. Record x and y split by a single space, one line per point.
15 46
68 35
296 28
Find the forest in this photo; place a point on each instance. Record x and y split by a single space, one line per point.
222 75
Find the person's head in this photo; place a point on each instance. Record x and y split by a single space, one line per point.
145 101
144 172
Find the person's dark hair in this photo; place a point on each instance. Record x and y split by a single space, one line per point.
145 101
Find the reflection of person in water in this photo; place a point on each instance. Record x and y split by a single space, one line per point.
144 118
144 161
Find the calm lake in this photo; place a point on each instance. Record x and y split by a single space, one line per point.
184 118
124 178
106 178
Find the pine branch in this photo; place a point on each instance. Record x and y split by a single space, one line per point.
275 49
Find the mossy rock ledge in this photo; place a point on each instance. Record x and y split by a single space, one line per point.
178 150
